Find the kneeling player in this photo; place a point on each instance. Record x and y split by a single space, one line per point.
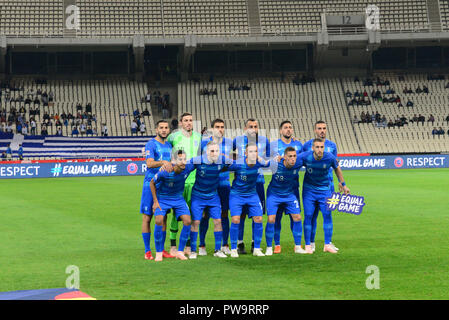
244 193
167 189
281 194
316 189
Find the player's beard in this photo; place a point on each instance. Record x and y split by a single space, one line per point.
161 137
287 137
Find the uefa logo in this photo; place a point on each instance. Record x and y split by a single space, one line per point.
398 162
132 168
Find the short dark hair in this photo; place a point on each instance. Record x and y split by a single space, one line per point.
185 114
289 149
177 152
317 140
161 121
319 122
284 122
249 120
216 121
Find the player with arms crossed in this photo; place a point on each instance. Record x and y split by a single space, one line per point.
244 194
224 188
157 151
278 147
329 146
281 195
251 136
316 189
188 140
167 189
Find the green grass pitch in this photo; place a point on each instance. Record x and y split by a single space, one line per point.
94 223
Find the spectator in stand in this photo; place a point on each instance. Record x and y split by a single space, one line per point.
142 128
431 119
82 128
105 130
434 131
421 118
44 131
414 119
89 131
75 131
418 90
355 120
59 131
409 103
89 107
146 113
174 124
348 94
425 89
134 127
390 124
3 156
403 120
148 97
447 118
441 131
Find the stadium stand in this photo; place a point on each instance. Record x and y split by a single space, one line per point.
305 16
271 101
413 136
113 102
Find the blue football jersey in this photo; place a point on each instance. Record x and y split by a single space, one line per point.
225 149
157 151
279 146
317 171
171 185
284 180
329 146
246 177
207 177
263 147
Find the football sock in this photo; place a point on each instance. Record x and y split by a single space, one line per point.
269 233
146 240
204 226
225 226
234 233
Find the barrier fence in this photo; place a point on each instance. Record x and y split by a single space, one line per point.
137 166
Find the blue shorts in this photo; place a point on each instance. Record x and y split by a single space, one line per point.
200 204
289 204
146 202
223 193
260 188
314 200
238 202
178 205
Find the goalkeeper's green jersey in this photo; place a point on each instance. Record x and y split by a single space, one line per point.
190 145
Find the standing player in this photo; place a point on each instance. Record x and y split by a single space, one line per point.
188 140
251 136
316 189
244 194
157 151
278 147
281 195
329 146
205 195
167 189
224 187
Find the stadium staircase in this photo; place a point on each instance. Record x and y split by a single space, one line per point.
433 11
254 17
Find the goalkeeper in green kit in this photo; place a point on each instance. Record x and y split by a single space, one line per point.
189 141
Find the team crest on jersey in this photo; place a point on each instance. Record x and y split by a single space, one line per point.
348 203
324 166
